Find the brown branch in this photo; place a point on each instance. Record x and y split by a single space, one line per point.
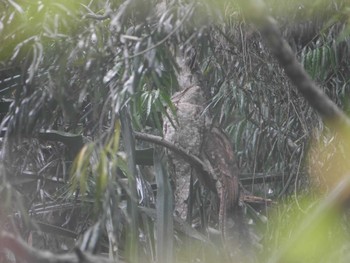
98 17
32 255
329 111
205 176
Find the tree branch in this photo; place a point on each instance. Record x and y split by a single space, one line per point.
98 17
329 111
32 255
206 177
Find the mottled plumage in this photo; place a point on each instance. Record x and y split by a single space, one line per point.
187 132
218 151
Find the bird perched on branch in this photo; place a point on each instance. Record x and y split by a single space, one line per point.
186 130
218 153
192 130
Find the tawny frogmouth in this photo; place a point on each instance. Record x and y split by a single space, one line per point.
192 130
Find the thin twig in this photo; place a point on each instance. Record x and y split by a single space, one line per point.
162 41
32 255
329 111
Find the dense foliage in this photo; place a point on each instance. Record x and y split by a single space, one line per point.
77 78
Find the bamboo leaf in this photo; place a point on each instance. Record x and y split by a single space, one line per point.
102 176
129 144
81 168
164 211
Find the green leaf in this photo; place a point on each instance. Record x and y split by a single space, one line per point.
102 176
81 168
164 211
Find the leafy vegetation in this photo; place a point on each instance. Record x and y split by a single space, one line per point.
77 78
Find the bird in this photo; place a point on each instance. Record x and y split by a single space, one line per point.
192 129
217 151
185 130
